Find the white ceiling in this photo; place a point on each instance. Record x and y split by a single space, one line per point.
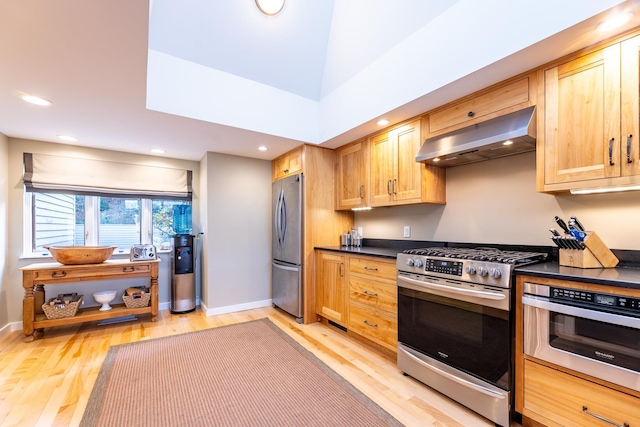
193 76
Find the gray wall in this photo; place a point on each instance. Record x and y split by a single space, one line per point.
496 202
4 230
237 232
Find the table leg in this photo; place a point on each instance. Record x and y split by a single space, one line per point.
28 314
154 298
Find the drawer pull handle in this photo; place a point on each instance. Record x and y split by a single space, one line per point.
611 151
629 149
370 269
366 322
471 114
600 417
128 269
367 293
59 273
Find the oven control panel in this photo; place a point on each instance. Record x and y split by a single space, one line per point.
453 268
597 300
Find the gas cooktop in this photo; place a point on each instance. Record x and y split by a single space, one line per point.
481 254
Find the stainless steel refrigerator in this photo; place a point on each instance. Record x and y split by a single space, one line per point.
286 270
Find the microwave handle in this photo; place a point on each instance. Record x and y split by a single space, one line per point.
479 294
598 316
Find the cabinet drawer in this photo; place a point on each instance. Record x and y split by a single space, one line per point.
76 273
480 108
376 295
380 270
561 397
379 328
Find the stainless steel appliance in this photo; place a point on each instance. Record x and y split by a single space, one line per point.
594 333
183 279
455 325
286 271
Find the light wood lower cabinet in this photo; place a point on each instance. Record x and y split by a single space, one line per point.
331 288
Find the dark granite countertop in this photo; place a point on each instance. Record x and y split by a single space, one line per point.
624 277
365 250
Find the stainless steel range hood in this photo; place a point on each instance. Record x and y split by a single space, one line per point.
483 141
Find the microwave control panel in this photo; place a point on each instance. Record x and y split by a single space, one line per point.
597 300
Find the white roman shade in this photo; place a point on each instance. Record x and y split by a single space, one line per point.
47 173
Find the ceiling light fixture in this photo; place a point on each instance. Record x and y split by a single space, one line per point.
262 148
615 21
68 138
383 122
158 150
270 7
36 100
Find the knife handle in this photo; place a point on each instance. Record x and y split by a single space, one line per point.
562 224
577 223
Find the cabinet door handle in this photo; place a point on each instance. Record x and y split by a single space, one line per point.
611 151
341 269
600 417
629 149
370 294
370 269
366 322
394 186
389 187
59 273
471 114
361 191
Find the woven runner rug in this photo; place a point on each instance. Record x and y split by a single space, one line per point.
247 374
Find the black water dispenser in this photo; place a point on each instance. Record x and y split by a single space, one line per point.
183 281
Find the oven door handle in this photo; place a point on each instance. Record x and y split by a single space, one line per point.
461 381
598 316
479 294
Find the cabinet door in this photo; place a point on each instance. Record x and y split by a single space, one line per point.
351 176
630 108
331 293
382 153
407 184
287 164
582 118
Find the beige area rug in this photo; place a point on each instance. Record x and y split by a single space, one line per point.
247 374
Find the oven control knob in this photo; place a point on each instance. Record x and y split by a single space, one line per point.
418 263
471 270
483 271
496 273
410 262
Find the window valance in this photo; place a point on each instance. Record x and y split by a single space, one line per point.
57 174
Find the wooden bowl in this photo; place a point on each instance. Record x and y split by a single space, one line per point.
73 255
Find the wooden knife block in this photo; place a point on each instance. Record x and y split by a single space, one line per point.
595 254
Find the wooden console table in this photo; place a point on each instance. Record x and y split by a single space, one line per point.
36 276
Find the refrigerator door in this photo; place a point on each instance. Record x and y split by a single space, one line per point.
287 220
287 288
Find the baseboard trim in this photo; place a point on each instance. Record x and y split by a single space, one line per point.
10 327
234 308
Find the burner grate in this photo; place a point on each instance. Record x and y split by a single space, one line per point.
481 254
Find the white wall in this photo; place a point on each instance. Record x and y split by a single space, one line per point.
496 202
4 229
12 283
237 233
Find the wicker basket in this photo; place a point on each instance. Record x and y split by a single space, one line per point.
59 308
137 300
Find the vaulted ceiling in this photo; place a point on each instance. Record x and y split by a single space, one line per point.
194 76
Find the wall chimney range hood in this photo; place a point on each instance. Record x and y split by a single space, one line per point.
513 133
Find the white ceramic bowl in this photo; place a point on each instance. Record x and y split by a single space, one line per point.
104 298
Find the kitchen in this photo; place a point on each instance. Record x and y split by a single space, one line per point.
503 188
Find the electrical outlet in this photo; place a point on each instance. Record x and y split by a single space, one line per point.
407 231
360 231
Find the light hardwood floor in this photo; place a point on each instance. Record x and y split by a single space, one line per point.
48 382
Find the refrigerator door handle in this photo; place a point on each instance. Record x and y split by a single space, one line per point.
283 218
285 267
276 219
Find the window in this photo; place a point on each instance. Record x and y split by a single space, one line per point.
75 220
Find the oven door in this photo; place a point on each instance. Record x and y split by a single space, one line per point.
601 344
457 324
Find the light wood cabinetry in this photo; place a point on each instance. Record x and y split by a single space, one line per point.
288 164
591 120
485 105
550 395
351 175
322 224
331 293
395 177
373 300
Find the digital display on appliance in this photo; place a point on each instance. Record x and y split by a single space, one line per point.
606 299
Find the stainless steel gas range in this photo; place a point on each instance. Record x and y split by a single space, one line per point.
455 324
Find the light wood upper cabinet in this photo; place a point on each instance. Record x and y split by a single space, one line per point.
591 120
395 177
351 175
288 164
331 287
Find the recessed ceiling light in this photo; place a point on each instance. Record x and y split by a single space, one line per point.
615 21
262 148
270 7
158 150
383 122
36 100
68 138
